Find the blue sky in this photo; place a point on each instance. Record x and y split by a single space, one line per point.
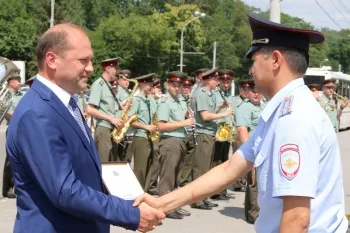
308 10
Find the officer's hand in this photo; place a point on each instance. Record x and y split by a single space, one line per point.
229 111
117 122
151 128
149 217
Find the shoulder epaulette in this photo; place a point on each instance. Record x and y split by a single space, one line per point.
287 106
101 82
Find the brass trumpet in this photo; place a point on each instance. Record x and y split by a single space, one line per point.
343 100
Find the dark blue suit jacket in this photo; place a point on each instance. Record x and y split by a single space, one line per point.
57 171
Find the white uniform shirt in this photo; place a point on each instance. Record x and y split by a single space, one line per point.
296 153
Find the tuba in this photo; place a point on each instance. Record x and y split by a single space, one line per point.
225 131
154 136
7 70
119 133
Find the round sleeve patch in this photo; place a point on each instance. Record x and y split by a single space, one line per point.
289 160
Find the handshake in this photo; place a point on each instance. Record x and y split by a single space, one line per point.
151 212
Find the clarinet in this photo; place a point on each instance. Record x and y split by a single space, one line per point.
193 127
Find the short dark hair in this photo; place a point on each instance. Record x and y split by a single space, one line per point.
297 59
55 39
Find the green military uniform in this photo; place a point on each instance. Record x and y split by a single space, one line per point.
123 94
221 151
248 116
172 146
202 158
16 97
154 169
185 167
9 71
7 179
331 107
237 102
142 146
101 96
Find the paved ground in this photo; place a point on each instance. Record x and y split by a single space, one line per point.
227 218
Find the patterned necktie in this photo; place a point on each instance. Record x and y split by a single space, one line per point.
77 116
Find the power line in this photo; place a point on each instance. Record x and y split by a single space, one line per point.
339 10
327 14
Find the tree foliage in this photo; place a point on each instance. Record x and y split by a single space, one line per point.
146 34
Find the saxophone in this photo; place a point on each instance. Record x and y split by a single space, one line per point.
154 136
119 133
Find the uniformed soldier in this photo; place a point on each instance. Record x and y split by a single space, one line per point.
205 117
330 104
185 168
240 185
221 149
123 87
157 95
142 146
14 85
103 106
247 117
123 94
172 148
198 85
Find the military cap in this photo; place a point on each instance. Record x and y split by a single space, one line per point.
210 74
267 33
247 83
314 86
8 70
201 71
110 62
125 73
175 76
189 82
156 83
329 82
147 78
225 74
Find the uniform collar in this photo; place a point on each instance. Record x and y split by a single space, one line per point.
279 97
172 98
122 88
144 97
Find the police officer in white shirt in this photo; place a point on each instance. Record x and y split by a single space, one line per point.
294 148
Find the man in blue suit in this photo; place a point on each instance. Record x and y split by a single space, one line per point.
56 167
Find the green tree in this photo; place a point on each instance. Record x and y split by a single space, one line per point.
17 31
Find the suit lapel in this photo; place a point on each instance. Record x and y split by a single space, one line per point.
62 110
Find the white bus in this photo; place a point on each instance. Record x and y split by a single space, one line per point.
318 75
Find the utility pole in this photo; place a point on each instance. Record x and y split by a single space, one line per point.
52 12
214 55
275 11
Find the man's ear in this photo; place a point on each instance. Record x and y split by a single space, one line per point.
277 59
51 60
